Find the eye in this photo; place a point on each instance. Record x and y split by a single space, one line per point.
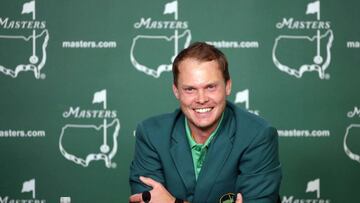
211 87
189 89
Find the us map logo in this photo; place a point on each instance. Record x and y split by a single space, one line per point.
352 133
168 45
84 143
318 43
26 52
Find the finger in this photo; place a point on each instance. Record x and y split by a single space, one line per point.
239 198
148 181
135 198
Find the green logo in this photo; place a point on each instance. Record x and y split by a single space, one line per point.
227 198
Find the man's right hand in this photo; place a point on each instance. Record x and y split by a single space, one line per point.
157 194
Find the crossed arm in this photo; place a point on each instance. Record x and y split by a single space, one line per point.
160 194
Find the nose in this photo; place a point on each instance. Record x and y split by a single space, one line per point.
201 97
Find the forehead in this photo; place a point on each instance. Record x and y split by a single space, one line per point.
195 71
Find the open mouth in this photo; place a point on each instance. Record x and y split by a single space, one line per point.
203 110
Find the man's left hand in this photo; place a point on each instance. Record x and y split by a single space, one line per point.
239 198
158 192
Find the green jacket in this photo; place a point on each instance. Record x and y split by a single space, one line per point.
243 157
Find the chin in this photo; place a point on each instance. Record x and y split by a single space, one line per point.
205 124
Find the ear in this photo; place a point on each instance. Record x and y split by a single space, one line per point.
228 87
176 91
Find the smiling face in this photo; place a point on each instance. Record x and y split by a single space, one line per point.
201 91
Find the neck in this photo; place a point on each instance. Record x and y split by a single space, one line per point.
200 135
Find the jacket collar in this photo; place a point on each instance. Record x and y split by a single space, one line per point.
181 154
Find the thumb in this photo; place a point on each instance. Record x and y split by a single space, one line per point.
148 181
239 198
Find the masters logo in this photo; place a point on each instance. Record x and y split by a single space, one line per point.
28 49
28 186
317 42
73 136
312 186
143 45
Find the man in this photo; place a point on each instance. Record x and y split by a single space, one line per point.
209 150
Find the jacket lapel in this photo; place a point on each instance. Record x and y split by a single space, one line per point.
181 154
216 157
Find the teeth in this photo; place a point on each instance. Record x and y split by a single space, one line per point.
203 110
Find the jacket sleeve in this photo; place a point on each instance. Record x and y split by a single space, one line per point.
260 169
146 162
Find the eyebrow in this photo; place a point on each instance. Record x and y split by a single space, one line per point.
206 85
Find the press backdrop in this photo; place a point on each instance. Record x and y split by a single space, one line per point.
77 76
